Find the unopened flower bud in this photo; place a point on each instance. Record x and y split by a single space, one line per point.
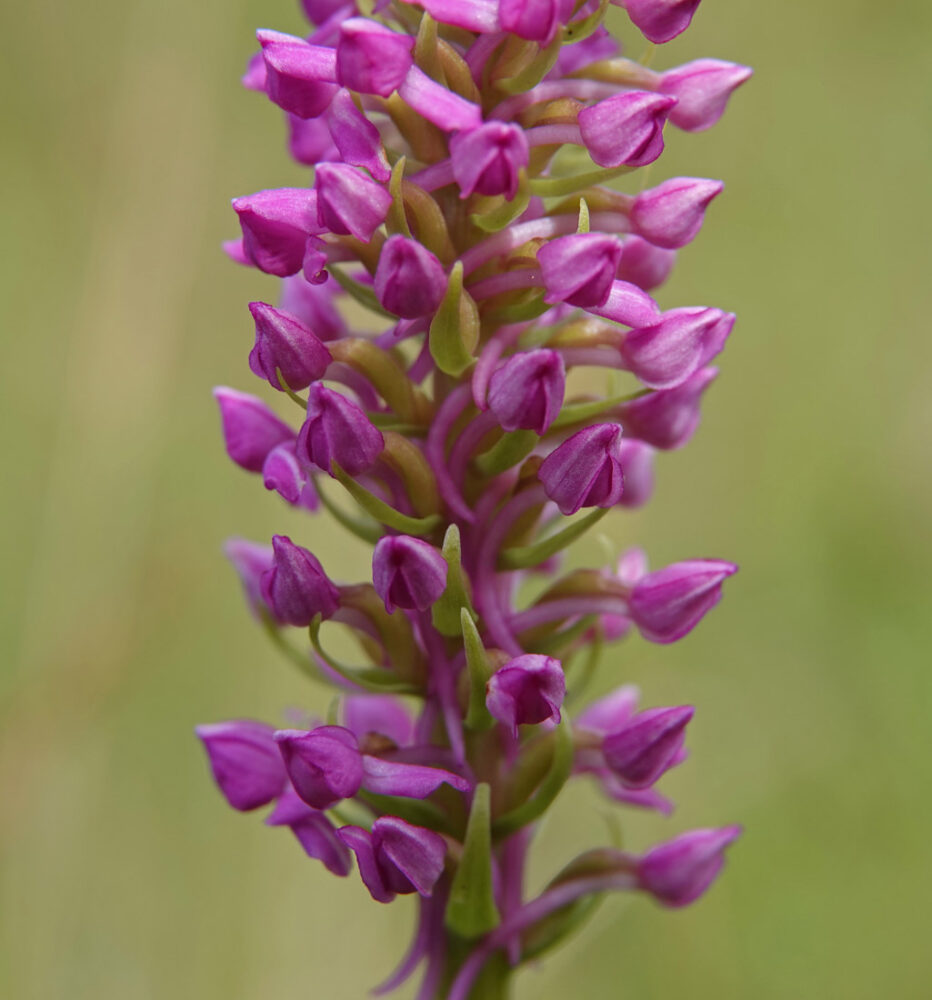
644 264
324 765
580 269
337 430
526 392
702 89
245 762
276 225
646 746
667 353
371 58
487 159
668 418
250 560
660 20
585 470
671 214
314 832
669 603
626 129
679 871
250 429
296 587
299 76
525 691
396 857
409 280
408 573
285 344
349 202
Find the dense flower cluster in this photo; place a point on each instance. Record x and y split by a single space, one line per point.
461 150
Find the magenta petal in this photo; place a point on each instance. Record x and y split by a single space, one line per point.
671 214
251 561
337 430
314 832
285 344
580 269
371 58
415 853
527 390
244 761
385 777
527 690
276 225
647 745
324 765
282 473
409 280
668 352
626 128
670 602
643 264
473 15
629 305
349 202
378 713
356 138
250 429
300 77
679 871
702 89
660 20
668 418
585 471
359 841
314 306
296 587
408 573
487 159
610 712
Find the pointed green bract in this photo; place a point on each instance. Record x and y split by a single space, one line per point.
454 330
471 909
480 670
445 614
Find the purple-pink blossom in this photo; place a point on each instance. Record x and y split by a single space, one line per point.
466 326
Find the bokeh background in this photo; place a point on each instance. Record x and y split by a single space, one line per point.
124 874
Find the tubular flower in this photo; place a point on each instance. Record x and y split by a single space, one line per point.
448 434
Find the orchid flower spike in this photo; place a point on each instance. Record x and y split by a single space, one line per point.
465 318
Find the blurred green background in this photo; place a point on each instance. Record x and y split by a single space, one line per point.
124 874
